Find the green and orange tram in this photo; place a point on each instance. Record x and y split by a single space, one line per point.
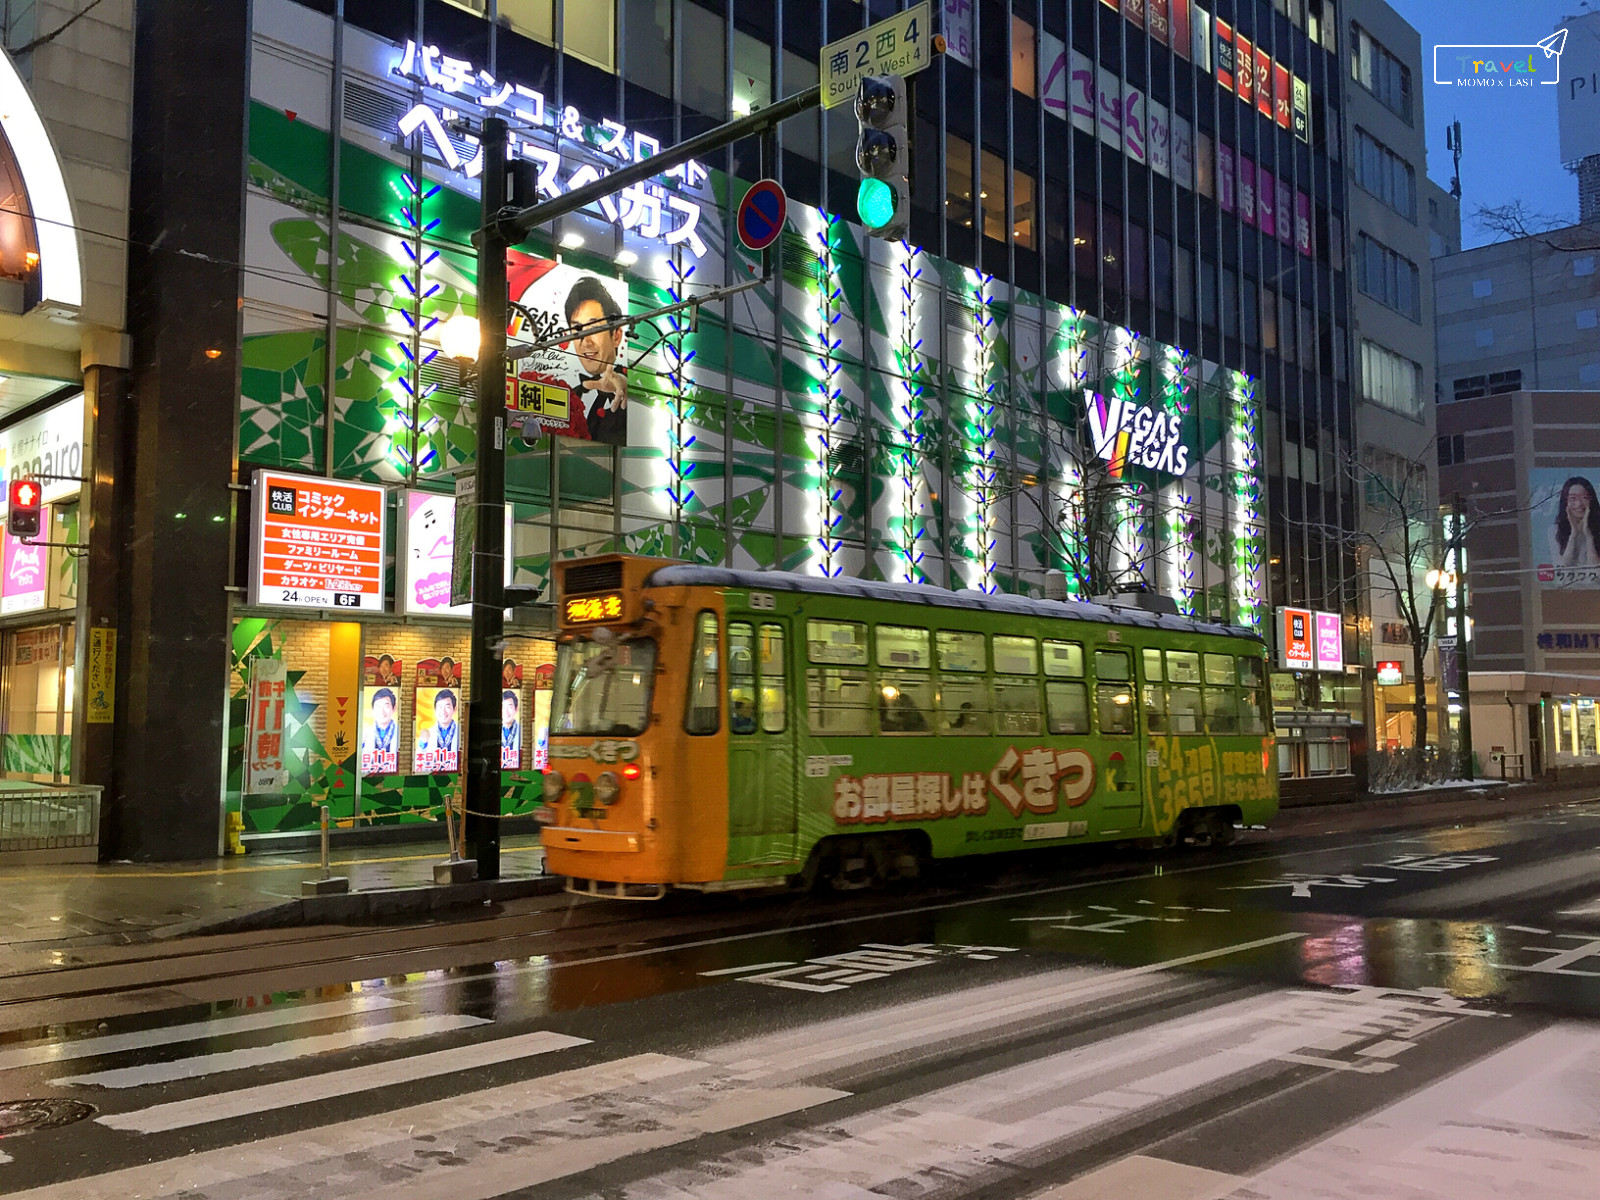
714 729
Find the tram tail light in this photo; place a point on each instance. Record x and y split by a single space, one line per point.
631 771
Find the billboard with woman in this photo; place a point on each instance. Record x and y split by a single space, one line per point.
1565 513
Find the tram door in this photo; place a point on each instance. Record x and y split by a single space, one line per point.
763 792
1117 699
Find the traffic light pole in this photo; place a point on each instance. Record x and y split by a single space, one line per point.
482 774
503 228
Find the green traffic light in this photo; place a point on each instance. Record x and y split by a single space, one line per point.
875 201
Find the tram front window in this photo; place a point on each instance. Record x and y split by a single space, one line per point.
602 689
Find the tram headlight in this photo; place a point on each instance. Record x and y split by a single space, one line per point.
554 784
607 786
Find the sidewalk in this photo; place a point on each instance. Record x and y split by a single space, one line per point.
115 902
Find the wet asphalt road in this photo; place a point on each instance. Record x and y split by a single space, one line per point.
1367 1014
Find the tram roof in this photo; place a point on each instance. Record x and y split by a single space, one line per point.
691 575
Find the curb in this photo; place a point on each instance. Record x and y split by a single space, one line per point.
358 908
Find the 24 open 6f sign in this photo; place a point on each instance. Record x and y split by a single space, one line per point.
318 543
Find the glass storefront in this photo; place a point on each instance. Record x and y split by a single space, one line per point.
1577 727
403 720
38 687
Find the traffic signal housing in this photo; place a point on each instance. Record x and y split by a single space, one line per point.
26 499
883 154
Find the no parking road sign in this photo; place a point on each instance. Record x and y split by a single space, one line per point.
761 214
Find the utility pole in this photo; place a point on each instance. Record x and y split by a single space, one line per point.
482 817
1463 633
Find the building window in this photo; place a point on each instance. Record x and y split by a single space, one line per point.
1586 318
703 64
1184 283
1023 209
1484 338
1583 265
958 179
1452 450
1589 373
1482 289
1203 164
1208 292
647 46
752 74
1381 73
1391 380
1163 273
1287 319
1384 174
1389 278
1024 73
1269 320
1471 387
1249 313
1084 254
992 196
1230 303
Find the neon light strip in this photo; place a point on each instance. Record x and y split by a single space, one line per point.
981 432
680 413
830 307
910 413
55 226
1246 482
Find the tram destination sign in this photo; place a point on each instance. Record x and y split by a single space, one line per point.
318 543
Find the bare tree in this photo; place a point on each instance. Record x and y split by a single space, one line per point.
1403 541
1517 219
1097 526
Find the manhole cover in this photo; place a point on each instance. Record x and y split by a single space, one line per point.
24 1116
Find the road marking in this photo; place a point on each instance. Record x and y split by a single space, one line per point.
256 1056
766 966
1527 929
270 1097
268 1018
308 1148
1142 1176
1300 884
547 964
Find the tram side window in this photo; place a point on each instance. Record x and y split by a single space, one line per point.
905 687
1016 684
1219 670
1152 665
774 694
838 702
903 646
1063 660
964 705
1155 704
1066 704
741 677
703 713
1183 666
1183 710
1252 702
1114 691
840 643
1222 710
961 651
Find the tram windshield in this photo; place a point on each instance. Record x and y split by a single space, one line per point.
602 689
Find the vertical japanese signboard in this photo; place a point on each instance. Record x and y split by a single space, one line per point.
380 705
1296 646
318 543
100 688
510 715
436 718
25 582
264 771
1330 642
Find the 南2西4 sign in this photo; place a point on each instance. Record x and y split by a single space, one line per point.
900 45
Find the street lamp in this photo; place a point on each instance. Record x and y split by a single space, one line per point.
461 338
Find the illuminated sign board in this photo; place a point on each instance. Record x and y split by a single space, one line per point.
1391 673
318 543
1126 434
583 610
426 560
1310 641
654 211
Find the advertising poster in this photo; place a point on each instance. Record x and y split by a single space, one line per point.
1564 512
380 713
1110 105
1296 650
1266 203
1157 20
264 771
317 543
23 577
510 715
1285 217
1082 92
1057 67
1302 108
1160 138
436 720
578 389
1263 83
1302 223
1133 118
1225 176
1281 104
430 549
958 21
100 690
1247 191
1179 17
1225 54
544 683
1330 642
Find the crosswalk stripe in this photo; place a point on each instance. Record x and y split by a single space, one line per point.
1141 1175
270 1097
267 1018
256 1056
308 1147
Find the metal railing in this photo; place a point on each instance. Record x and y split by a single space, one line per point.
48 817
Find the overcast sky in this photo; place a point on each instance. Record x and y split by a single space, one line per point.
1512 150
